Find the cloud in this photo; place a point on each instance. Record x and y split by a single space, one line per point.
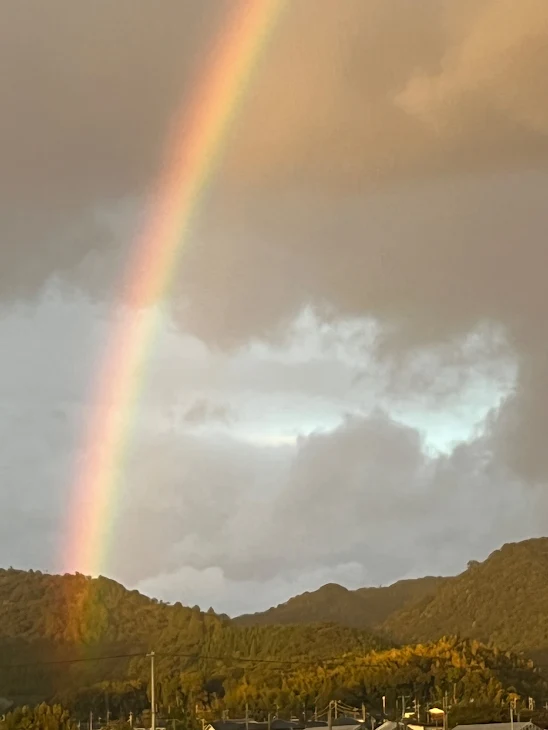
496 65
387 172
362 505
313 455
202 411
346 109
210 587
340 114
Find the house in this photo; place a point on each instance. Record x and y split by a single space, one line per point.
222 725
499 726
235 725
436 715
347 723
240 724
390 725
340 723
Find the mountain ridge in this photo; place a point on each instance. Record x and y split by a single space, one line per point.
332 603
501 600
496 610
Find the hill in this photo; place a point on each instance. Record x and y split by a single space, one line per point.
362 608
52 618
476 677
503 600
211 662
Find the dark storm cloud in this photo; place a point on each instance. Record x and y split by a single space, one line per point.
390 160
88 93
367 93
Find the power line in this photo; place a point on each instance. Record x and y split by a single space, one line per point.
181 655
75 660
206 657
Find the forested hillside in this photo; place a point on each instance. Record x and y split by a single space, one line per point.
74 610
211 661
362 608
503 600
468 671
208 662
55 618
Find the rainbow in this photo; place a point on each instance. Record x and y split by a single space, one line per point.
192 155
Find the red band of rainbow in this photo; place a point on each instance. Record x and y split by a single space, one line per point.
191 159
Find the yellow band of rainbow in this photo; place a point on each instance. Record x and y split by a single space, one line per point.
193 152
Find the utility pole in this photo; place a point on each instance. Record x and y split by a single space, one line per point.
246 716
152 693
91 720
445 703
511 716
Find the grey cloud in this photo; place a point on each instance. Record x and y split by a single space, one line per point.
225 516
433 263
332 109
211 587
364 495
203 411
208 494
389 162
89 94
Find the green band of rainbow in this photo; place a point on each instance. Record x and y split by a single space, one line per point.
192 156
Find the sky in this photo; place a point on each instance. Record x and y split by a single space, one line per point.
349 377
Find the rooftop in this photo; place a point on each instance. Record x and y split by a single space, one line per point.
499 726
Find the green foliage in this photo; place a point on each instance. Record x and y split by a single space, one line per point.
473 672
42 717
200 656
502 601
48 618
363 608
